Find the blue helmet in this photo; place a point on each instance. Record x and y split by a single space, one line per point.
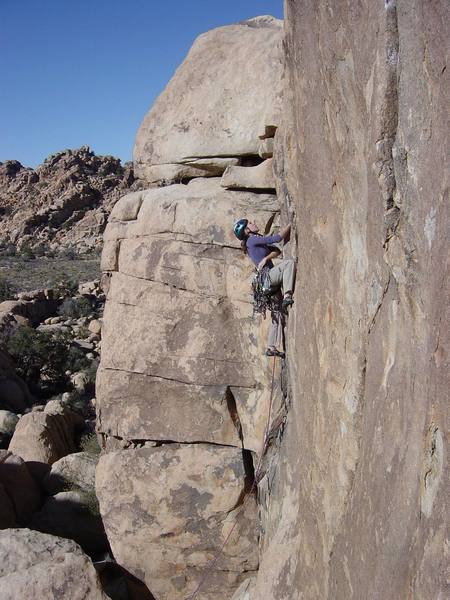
239 228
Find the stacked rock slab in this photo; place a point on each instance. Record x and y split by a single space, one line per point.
222 98
182 384
359 498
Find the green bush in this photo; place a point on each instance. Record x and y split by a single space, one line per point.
42 359
26 252
75 307
91 372
89 443
65 285
90 502
6 290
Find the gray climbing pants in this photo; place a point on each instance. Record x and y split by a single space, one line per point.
281 276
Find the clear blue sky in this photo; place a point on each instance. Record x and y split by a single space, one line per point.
80 72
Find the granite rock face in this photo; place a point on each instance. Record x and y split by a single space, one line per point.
168 510
36 565
359 476
352 494
178 337
181 362
219 101
183 386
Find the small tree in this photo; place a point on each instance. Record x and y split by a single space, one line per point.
42 359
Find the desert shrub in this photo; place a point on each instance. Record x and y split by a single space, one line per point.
6 290
91 371
65 285
89 443
77 402
42 359
69 253
75 307
26 252
76 360
90 502
7 249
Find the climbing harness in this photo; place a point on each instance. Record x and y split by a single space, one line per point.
256 480
265 297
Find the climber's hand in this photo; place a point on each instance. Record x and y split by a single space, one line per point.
262 263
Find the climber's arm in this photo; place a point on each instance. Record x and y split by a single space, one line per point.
274 253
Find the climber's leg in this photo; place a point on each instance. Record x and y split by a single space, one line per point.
272 341
288 276
283 275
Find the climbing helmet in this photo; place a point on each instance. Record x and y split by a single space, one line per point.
239 228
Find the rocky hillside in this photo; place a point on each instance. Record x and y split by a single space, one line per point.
64 203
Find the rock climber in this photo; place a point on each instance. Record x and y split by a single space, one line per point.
261 251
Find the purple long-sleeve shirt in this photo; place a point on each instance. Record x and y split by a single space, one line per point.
258 247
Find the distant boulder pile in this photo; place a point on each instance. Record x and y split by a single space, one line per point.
62 204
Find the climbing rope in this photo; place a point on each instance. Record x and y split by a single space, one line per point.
248 494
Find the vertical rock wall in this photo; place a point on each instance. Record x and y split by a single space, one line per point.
357 493
183 386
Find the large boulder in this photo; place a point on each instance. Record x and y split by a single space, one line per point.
220 100
168 511
75 471
178 334
42 438
19 490
36 565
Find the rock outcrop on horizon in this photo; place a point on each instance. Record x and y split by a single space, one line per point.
183 388
62 204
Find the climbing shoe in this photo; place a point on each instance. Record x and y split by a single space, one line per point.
287 301
274 352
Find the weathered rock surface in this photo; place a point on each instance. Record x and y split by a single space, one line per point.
357 497
178 335
65 202
73 514
165 533
260 177
220 99
36 565
8 422
19 490
74 470
198 167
